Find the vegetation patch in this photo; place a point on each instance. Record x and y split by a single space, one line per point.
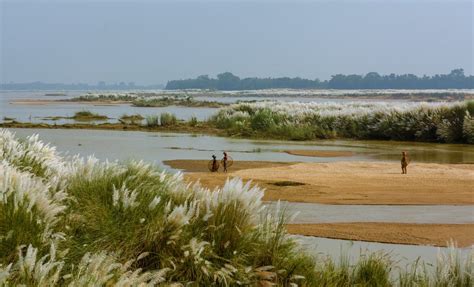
287 183
149 100
131 119
87 116
432 122
165 101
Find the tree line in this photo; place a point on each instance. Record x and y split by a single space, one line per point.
228 81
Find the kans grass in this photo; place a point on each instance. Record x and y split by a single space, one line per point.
424 122
72 221
432 122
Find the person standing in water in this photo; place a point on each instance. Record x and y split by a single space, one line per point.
224 161
405 162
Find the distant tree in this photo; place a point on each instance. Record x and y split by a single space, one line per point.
228 81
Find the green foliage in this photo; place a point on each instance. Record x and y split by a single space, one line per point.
167 119
88 115
372 80
152 121
451 123
193 121
263 120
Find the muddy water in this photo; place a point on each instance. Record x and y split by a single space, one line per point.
157 147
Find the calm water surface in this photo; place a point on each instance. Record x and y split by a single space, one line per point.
37 112
158 147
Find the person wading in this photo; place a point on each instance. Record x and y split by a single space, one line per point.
405 162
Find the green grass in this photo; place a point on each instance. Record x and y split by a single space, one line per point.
164 120
168 119
82 222
450 123
87 115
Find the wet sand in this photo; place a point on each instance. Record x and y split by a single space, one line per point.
201 166
320 153
349 182
399 233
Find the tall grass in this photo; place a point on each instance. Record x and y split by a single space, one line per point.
81 222
164 120
168 119
440 122
152 121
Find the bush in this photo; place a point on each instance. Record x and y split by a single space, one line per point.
167 119
152 121
193 121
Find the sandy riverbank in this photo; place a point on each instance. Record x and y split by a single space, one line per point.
399 233
348 182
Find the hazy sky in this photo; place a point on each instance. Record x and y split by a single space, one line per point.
155 41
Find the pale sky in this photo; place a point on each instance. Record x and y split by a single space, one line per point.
155 41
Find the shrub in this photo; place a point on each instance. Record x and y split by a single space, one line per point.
193 121
167 119
152 121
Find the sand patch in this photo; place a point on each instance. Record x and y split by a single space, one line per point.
399 233
350 182
320 153
201 165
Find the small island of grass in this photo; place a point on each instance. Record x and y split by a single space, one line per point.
87 116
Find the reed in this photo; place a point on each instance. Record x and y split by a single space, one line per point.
437 122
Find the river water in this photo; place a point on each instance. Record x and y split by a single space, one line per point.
37 112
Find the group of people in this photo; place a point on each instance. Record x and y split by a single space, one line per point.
215 163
